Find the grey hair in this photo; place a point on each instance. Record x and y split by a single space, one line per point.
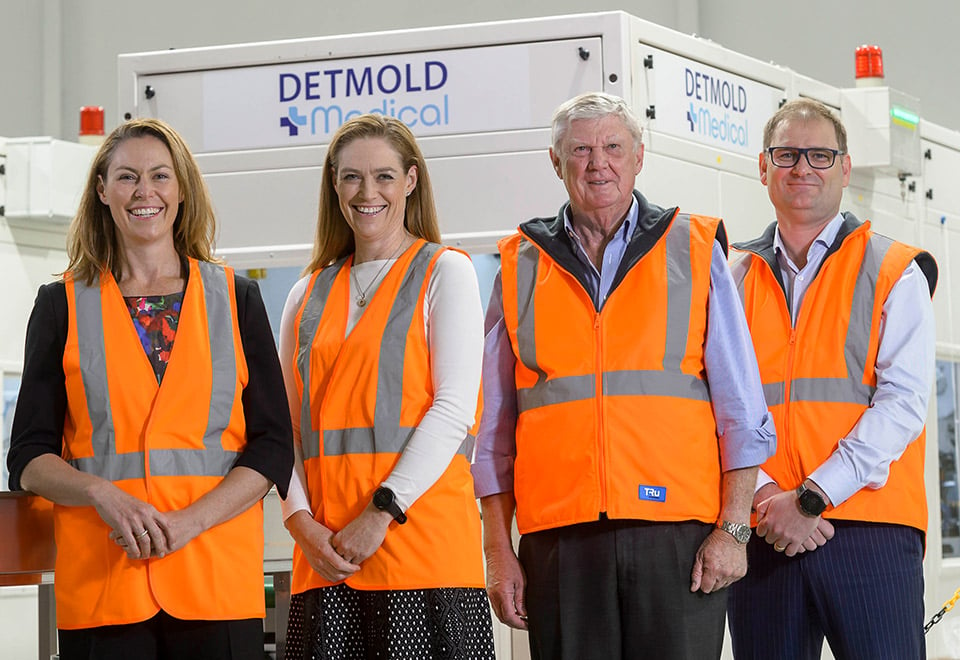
593 105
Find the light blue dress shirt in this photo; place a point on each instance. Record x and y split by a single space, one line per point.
906 361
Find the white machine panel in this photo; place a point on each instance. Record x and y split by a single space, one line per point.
940 176
443 92
945 243
45 177
883 129
705 104
529 188
667 181
508 200
246 219
744 206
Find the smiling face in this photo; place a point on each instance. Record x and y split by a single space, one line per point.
598 163
372 188
800 194
142 192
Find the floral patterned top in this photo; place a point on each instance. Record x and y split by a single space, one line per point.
156 319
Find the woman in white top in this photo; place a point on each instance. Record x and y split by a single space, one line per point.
381 346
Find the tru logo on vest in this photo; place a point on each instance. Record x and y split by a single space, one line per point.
653 493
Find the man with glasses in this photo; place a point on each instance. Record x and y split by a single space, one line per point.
843 328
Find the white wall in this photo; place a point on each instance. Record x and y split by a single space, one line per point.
21 68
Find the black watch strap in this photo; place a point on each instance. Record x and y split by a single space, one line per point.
385 500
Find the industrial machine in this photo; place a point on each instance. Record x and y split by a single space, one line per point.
479 98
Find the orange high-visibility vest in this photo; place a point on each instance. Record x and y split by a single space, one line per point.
166 444
614 413
362 396
819 376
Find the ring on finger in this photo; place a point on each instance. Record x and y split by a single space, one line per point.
779 548
142 534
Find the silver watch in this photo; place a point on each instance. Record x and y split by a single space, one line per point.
740 531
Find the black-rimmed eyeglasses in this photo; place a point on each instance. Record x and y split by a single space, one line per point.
819 158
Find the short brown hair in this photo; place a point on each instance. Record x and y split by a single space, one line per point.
804 109
334 238
92 243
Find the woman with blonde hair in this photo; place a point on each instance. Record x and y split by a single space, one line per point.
381 346
151 412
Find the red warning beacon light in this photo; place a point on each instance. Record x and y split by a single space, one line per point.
869 64
91 124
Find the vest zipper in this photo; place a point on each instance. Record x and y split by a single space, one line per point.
787 386
601 444
788 382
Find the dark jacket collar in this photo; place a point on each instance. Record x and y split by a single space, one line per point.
549 234
763 245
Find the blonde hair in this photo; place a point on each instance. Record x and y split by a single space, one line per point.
92 242
334 238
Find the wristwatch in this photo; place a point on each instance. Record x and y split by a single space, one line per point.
740 531
385 500
811 502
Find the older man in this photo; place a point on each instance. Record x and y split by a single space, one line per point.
843 327
624 414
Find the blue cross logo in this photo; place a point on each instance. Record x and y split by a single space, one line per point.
293 121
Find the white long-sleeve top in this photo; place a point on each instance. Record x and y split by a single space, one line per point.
453 321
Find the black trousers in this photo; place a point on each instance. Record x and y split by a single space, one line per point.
166 638
619 589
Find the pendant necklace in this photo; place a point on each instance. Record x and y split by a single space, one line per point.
362 291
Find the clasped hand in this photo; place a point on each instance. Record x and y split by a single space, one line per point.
782 524
337 556
144 532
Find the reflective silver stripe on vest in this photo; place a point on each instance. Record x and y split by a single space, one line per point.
773 393
528 259
213 460
832 390
386 436
337 442
309 322
557 390
615 383
393 347
669 382
856 344
679 292
105 463
655 383
739 270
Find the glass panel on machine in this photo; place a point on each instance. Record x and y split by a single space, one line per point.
275 283
11 385
486 266
947 438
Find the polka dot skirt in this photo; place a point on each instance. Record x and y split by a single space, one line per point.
340 623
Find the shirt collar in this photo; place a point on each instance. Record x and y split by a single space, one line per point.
624 232
822 242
